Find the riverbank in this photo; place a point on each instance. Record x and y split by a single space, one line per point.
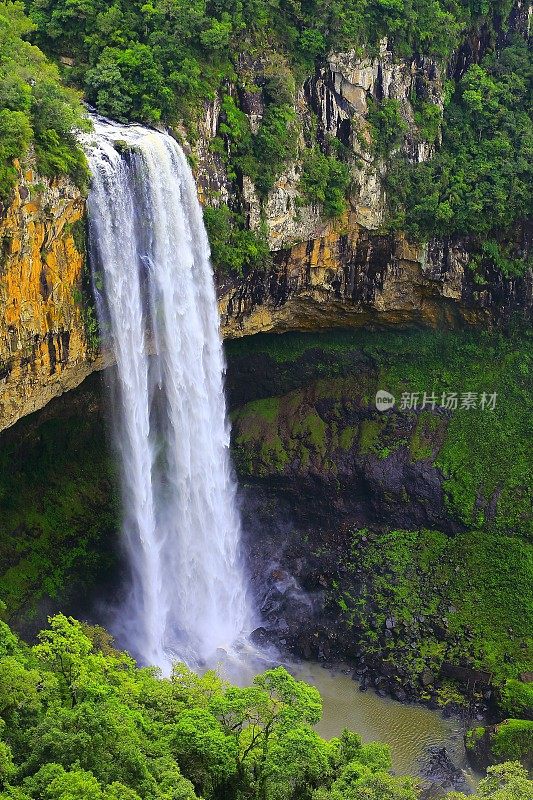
423 742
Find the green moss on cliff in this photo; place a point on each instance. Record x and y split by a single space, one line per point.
465 600
422 442
460 601
59 507
313 429
270 434
516 697
369 435
268 408
484 454
513 740
347 437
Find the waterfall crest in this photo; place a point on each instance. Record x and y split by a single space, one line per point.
157 308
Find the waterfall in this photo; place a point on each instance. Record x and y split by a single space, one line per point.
158 312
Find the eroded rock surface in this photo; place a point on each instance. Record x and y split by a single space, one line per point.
43 344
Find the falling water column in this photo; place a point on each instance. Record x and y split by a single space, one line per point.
181 523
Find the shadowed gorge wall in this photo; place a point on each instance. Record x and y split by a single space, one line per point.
60 505
337 499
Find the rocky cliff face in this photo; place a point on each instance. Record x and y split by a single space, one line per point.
324 273
43 344
347 271
353 276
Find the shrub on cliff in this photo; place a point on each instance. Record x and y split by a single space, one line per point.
234 248
325 180
15 138
513 740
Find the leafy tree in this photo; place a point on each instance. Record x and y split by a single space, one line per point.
63 647
388 126
203 750
507 781
80 721
358 783
7 767
234 247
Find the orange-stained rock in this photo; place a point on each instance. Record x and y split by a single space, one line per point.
351 276
43 346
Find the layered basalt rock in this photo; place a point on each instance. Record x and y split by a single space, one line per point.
351 276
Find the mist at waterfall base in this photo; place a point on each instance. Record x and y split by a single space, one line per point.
187 594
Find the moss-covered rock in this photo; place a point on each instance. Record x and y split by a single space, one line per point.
511 740
450 596
59 499
429 592
448 467
516 697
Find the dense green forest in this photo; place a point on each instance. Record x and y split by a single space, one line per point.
148 60
35 107
160 61
80 721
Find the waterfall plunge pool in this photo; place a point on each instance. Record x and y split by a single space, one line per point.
409 729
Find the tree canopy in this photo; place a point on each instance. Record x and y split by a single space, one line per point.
79 720
35 108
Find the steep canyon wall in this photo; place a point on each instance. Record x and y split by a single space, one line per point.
324 273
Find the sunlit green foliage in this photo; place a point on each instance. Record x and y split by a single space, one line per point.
81 720
513 740
34 107
325 180
182 50
234 247
516 697
481 177
388 126
159 61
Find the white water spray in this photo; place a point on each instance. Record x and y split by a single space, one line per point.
181 523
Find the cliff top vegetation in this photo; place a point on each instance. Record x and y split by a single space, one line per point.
36 110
